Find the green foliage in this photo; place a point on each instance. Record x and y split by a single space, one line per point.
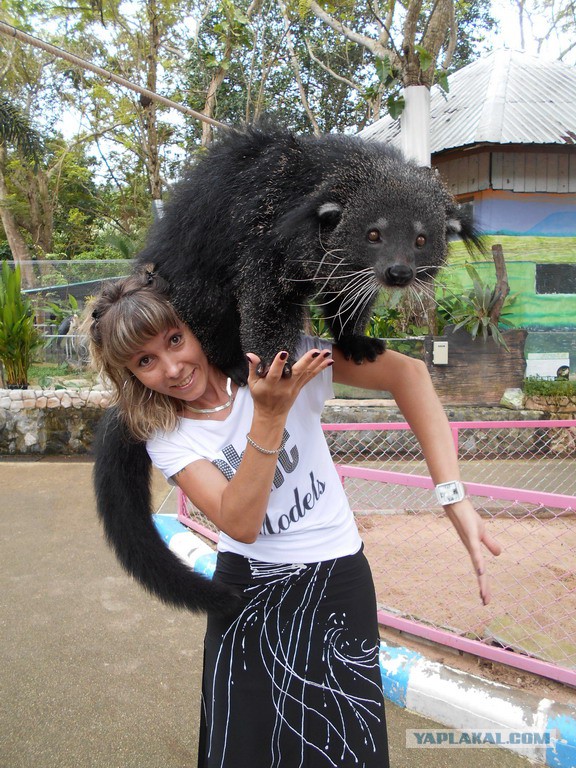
62 308
19 338
15 128
59 376
472 309
318 326
536 386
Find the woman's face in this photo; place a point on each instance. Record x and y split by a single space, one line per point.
172 363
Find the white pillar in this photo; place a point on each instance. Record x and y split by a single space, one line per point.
415 124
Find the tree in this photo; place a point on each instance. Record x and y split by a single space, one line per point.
15 129
548 21
412 45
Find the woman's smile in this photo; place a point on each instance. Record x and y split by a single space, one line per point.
184 384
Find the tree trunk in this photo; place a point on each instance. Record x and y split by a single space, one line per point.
41 211
210 101
20 252
502 285
150 126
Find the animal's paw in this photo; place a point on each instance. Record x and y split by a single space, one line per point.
238 372
360 348
262 370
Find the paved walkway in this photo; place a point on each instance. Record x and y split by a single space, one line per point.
94 673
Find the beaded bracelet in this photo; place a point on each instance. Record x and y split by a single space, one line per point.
259 448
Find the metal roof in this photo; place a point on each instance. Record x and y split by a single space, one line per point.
506 97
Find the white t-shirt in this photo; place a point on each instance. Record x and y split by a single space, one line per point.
308 517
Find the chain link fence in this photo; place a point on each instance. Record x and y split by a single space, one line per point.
522 480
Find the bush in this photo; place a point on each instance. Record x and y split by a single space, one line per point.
535 386
19 338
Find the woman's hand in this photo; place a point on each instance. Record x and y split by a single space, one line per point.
238 506
410 384
472 531
273 394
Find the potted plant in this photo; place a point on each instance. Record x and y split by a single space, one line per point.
485 353
480 311
19 337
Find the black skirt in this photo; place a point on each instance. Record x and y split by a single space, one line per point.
293 679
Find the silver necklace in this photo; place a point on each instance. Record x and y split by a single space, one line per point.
217 407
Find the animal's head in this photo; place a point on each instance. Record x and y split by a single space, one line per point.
387 218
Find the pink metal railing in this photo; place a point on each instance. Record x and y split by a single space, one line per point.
510 506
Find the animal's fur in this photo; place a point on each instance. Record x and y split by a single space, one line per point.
266 220
122 483
263 222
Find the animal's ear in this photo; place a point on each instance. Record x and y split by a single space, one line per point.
459 222
311 213
329 215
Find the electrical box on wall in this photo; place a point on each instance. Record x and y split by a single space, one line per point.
440 353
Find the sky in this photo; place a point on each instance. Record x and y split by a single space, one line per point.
508 34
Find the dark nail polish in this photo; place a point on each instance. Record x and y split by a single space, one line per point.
283 355
315 355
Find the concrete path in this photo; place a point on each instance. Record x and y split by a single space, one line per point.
95 673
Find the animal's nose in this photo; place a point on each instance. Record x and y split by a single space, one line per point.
399 274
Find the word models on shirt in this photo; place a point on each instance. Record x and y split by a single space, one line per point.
302 505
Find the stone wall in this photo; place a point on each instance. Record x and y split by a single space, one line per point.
62 421
58 421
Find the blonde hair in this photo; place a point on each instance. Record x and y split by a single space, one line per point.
123 317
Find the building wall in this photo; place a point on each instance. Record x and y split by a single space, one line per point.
530 309
514 191
501 212
511 168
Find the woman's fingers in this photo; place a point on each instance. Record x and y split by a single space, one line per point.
472 531
491 544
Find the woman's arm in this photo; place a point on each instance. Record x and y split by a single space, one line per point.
238 506
410 384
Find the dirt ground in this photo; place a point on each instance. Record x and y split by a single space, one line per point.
422 571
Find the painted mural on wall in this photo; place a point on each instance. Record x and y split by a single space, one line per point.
513 213
538 304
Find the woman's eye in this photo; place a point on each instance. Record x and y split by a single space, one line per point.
144 361
373 235
420 241
176 339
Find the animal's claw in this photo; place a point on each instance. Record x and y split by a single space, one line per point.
360 348
238 372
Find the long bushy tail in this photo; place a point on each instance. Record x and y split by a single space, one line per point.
122 476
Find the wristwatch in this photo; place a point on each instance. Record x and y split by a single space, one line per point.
450 493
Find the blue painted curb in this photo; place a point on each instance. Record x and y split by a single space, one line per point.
456 699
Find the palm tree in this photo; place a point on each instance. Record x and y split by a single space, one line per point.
15 129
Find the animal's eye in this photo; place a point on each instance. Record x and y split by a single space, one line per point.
420 241
373 235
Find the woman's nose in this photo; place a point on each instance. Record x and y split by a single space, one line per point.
173 368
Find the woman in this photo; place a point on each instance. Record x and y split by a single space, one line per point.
291 678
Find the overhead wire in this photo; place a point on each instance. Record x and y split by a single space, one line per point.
10 31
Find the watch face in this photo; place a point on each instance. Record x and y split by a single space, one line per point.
450 493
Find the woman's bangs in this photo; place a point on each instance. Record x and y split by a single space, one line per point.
140 322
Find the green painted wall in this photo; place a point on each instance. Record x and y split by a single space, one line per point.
529 310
